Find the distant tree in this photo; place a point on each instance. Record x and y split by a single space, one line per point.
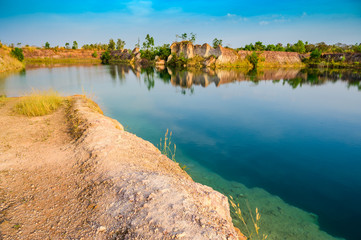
149 42
316 54
120 44
19 44
17 53
163 51
279 47
47 45
67 45
137 45
184 36
111 45
259 46
357 47
216 42
299 47
249 47
271 47
192 37
75 45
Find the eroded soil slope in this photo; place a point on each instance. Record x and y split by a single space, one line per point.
76 174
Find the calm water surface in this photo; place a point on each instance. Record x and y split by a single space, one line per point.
279 138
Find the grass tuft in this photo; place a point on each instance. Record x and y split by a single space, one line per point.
167 149
253 233
39 103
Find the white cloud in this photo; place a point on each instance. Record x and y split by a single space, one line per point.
263 23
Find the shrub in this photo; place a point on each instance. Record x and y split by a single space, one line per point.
316 54
253 59
17 53
105 57
94 54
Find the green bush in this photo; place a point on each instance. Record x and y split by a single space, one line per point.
17 53
105 57
94 54
316 54
253 59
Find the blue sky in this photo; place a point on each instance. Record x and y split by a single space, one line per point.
237 22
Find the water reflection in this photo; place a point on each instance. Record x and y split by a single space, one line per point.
187 79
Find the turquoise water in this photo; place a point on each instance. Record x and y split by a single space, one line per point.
285 141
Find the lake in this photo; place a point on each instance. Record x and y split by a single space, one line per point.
285 141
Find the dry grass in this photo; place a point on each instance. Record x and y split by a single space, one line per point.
39 103
253 231
3 99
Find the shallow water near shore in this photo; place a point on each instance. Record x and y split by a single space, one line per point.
287 141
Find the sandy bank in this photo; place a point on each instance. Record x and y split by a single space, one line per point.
78 174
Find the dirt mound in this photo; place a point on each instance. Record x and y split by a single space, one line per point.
59 53
106 184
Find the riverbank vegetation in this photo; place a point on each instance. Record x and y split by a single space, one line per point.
10 58
312 55
38 103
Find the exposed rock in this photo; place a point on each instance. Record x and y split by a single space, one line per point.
137 56
226 55
169 58
184 49
135 50
209 61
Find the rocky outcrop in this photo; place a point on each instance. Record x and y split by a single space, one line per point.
143 194
188 50
226 56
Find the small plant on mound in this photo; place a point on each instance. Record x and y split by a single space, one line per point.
17 53
39 103
253 59
253 232
167 149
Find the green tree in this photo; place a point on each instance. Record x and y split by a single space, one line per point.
47 45
299 47
271 47
120 44
75 45
253 59
192 37
137 45
105 57
316 54
259 46
249 47
184 36
279 47
216 42
67 45
17 53
111 45
149 42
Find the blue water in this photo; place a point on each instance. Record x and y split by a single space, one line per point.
297 134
